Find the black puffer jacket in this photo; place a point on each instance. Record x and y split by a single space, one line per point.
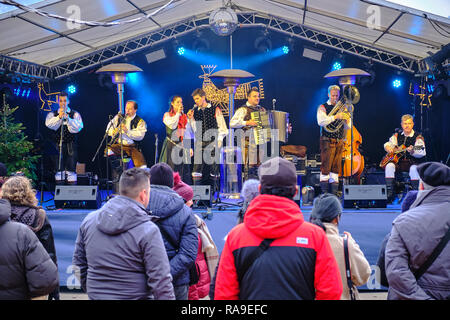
36 219
25 267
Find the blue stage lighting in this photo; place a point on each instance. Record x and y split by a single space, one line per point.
181 51
285 49
337 66
396 83
71 89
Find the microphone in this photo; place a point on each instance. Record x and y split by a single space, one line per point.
273 103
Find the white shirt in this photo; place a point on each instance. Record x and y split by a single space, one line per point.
323 119
172 123
238 118
54 122
393 142
132 135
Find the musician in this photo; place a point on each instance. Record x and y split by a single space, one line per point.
176 150
133 130
251 152
415 153
71 123
331 144
203 118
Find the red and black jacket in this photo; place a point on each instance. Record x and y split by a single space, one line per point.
298 265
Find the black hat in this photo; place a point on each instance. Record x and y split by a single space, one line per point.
277 172
434 173
161 174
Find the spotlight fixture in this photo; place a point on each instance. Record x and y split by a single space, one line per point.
71 89
263 43
285 49
336 66
397 83
181 51
223 21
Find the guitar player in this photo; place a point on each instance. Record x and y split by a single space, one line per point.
414 154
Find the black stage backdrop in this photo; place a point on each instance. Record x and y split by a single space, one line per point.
296 83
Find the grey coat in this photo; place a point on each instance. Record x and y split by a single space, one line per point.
26 270
121 255
414 235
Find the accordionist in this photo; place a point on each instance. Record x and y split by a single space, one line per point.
252 153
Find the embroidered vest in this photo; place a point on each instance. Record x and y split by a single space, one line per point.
67 135
335 135
207 117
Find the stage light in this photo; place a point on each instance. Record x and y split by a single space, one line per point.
336 66
181 51
396 83
263 44
71 89
285 49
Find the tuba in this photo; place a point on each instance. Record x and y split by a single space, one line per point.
345 104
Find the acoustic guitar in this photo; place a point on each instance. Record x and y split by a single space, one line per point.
395 156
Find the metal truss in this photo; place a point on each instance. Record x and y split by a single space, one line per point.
179 29
24 68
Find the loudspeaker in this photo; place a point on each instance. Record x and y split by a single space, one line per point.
374 177
202 194
81 197
365 196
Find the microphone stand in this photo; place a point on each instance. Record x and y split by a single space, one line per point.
156 148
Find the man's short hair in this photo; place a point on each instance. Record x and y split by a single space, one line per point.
333 87
255 89
63 94
135 104
198 92
406 117
133 181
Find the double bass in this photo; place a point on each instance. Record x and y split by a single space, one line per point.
357 166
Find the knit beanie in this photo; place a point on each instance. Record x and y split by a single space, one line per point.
161 174
326 207
183 189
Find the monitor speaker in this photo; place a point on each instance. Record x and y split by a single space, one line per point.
365 196
202 195
80 197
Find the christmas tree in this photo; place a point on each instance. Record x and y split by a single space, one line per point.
15 149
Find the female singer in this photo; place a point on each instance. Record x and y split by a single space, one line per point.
176 152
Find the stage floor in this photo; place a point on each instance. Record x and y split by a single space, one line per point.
367 226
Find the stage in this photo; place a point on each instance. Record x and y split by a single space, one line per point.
367 226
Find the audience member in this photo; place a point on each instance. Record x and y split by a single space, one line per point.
250 189
207 254
408 200
177 225
415 235
326 213
3 174
25 209
275 254
26 269
120 250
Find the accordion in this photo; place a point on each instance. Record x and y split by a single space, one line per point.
262 130
271 124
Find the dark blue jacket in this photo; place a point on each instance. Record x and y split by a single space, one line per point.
178 222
